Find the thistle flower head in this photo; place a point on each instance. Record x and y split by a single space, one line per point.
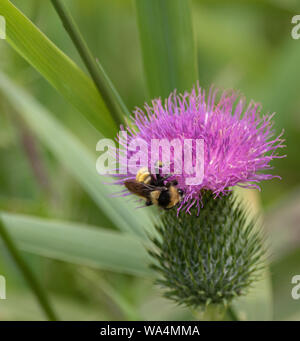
239 143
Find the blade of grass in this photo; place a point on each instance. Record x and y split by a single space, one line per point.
99 284
114 91
76 159
258 303
283 270
89 60
232 314
79 244
168 45
282 221
58 69
27 273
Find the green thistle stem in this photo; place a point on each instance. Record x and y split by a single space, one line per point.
232 314
28 274
97 73
214 313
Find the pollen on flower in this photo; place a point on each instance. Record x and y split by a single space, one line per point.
239 142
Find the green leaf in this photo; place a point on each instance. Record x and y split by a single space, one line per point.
79 244
258 303
113 91
98 75
283 73
21 307
283 270
58 69
76 159
168 47
29 275
118 298
282 221
284 212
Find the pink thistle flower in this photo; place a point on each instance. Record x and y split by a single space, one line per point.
239 143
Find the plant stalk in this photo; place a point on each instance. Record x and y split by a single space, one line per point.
97 74
213 312
27 273
232 314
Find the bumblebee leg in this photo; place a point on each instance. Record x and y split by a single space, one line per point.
148 203
154 180
159 180
173 182
167 177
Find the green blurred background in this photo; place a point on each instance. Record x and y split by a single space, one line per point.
245 45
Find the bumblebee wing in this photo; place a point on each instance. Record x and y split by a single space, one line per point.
138 188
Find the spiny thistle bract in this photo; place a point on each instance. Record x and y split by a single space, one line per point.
210 258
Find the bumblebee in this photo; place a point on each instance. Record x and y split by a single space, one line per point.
154 190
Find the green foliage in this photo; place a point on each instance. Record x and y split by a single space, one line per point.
75 157
58 69
100 78
210 258
168 47
78 243
27 272
225 34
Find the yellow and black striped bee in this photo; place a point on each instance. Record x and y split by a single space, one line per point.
154 190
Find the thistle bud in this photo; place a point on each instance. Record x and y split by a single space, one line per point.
207 258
